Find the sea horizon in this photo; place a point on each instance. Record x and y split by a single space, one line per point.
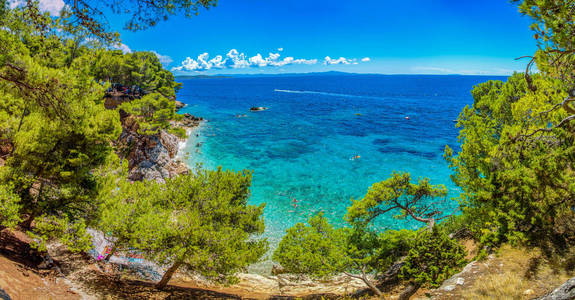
328 73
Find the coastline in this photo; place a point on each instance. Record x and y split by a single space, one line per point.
257 284
192 135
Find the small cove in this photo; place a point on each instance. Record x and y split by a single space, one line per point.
303 146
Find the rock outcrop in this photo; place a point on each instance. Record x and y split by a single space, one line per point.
179 105
564 292
189 121
150 157
284 285
457 279
113 100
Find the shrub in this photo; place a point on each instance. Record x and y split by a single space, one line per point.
433 258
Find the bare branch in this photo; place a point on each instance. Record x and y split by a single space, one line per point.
561 124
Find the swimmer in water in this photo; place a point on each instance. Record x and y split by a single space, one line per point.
295 201
355 157
407 118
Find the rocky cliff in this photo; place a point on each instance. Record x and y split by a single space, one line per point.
151 157
113 100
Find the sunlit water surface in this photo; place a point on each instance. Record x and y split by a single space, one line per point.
303 146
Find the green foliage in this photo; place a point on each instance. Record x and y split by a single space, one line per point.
397 193
53 118
470 225
214 230
72 234
519 184
156 108
393 244
178 131
88 17
433 258
318 249
60 131
9 207
554 28
321 250
122 203
516 162
155 111
141 69
61 172
372 253
200 221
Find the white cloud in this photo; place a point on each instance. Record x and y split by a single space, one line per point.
342 60
236 60
258 60
274 56
164 59
366 59
123 47
306 61
15 3
218 62
52 6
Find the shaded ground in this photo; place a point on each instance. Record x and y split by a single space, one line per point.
77 276
24 274
22 278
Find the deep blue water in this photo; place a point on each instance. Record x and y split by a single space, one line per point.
301 147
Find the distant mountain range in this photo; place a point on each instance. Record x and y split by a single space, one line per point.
332 73
201 76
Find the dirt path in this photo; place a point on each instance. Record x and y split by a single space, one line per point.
20 277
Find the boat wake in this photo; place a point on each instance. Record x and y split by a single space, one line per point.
327 94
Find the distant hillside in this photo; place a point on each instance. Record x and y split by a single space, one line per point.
201 76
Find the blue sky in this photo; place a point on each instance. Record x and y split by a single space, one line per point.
390 36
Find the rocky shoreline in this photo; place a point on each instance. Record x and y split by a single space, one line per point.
153 157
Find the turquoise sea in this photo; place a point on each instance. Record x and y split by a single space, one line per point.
303 146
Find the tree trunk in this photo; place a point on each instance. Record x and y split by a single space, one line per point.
168 275
27 224
409 291
112 252
431 224
373 288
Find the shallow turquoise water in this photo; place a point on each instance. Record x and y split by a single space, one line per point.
301 146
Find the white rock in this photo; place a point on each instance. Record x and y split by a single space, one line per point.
448 288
